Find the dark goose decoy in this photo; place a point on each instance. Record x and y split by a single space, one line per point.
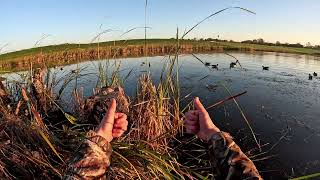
310 77
315 74
265 68
214 66
207 64
233 64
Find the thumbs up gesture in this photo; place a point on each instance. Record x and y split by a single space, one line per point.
114 124
198 122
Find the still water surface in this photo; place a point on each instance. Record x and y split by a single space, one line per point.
282 105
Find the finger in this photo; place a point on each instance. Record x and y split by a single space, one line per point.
120 115
123 126
190 113
121 121
116 116
109 118
117 130
198 105
191 116
117 133
194 112
192 130
191 123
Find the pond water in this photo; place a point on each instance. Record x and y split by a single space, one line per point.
282 105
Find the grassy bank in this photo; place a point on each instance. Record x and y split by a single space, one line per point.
70 53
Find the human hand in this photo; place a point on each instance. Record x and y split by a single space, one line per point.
113 124
198 122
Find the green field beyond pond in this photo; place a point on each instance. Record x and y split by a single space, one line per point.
215 45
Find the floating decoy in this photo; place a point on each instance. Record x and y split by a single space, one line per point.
207 64
310 77
265 68
211 87
232 64
214 66
61 69
315 74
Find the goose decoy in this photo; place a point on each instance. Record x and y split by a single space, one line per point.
214 66
61 69
232 64
310 77
265 68
207 64
315 74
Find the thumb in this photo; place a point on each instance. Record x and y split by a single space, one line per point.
109 117
198 105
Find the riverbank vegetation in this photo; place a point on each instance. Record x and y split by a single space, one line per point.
37 136
56 55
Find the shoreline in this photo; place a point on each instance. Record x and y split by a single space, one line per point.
71 53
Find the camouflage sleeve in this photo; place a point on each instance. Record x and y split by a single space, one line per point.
228 159
91 159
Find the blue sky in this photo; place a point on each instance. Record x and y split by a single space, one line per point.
22 22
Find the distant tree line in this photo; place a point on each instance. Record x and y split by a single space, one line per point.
263 42
278 43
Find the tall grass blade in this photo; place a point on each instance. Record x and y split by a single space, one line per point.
211 15
50 144
70 118
310 176
244 116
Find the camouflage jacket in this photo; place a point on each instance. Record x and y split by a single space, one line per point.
228 159
93 158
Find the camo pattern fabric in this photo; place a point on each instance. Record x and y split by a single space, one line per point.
228 159
91 160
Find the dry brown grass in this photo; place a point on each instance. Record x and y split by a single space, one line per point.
37 139
24 152
150 114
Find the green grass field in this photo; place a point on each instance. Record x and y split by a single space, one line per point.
226 45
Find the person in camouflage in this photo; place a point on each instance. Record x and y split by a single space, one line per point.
225 155
93 157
